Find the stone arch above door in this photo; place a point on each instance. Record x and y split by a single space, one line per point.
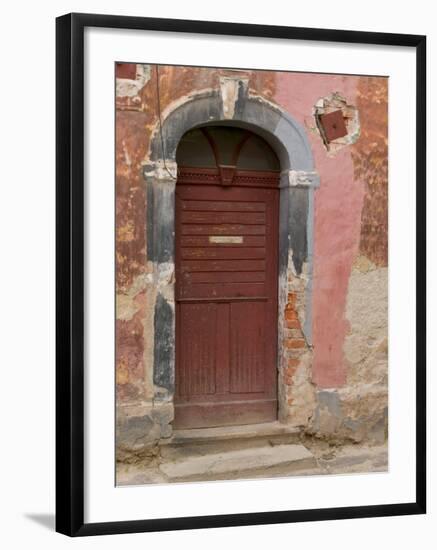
277 127
232 105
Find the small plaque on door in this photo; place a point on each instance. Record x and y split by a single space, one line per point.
226 239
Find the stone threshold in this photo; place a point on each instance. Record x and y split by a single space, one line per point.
229 433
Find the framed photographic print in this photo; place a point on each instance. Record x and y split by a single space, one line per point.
240 274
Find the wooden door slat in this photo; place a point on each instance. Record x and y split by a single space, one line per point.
222 206
210 217
255 253
221 265
222 229
204 241
225 277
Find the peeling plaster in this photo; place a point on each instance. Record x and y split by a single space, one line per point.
233 90
160 170
334 102
300 178
302 394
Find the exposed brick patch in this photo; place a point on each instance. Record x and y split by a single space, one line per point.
295 343
292 323
292 297
291 315
289 371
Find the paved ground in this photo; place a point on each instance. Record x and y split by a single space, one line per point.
253 459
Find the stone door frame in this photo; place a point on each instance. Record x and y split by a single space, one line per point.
232 104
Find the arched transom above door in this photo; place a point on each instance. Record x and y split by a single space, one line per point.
224 154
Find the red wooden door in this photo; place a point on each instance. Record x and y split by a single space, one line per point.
226 297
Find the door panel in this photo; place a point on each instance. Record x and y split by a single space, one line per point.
197 374
248 350
226 304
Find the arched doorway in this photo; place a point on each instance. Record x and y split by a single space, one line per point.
298 182
226 265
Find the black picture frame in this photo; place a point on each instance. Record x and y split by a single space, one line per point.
70 273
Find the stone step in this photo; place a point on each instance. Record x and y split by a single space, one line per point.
222 433
200 441
226 433
239 463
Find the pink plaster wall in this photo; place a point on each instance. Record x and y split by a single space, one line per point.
337 222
